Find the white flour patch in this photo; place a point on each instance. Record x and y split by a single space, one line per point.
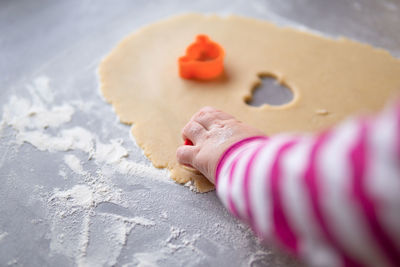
175 233
76 138
164 215
70 212
77 233
178 239
69 235
63 174
110 153
84 238
114 234
78 196
23 114
147 259
3 235
74 163
116 156
40 88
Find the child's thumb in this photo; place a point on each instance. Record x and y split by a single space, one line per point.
186 154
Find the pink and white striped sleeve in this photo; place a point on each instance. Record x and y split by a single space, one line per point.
332 199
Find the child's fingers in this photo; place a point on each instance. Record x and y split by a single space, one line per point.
193 131
207 116
186 154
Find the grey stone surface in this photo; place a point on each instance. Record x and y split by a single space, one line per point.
138 217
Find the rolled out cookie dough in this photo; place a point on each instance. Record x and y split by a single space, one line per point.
140 79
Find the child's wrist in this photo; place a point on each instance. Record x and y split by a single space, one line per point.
230 149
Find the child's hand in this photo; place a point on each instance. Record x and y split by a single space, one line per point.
212 132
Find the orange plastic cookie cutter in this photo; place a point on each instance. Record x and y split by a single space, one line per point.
204 60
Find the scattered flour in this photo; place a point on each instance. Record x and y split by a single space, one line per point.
73 220
40 88
63 174
116 229
191 186
77 229
147 259
31 117
73 213
110 153
22 114
79 195
164 215
178 239
84 239
74 164
259 258
3 235
75 138
175 233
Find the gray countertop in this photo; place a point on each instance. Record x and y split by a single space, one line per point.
75 188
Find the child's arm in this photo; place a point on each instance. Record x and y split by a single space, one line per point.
332 199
